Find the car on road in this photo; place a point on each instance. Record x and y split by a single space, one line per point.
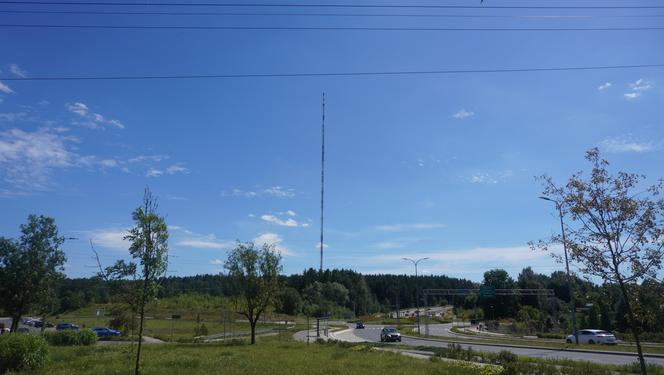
105 332
359 325
388 334
593 336
62 326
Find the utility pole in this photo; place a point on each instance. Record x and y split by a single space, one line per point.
322 181
569 276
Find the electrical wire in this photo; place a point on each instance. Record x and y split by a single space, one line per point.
302 5
332 74
401 15
323 28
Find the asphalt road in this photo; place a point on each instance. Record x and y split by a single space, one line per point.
372 334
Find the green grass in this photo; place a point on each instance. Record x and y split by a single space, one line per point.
269 356
157 325
546 344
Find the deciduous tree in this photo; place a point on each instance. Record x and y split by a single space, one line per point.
29 267
615 230
255 277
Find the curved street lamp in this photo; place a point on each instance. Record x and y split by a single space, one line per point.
417 289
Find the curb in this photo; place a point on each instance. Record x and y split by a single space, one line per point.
651 355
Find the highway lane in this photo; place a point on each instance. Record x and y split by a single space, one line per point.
372 334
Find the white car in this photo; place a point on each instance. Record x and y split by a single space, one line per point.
593 336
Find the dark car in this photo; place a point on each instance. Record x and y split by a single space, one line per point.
390 334
105 332
62 326
359 325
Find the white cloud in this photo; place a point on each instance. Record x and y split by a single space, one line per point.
109 238
177 168
275 191
389 245
28 158
6 89
205 242
13 116
632 95
94 120
153 172
408 227
148 158
109 163
280 192
272 239
638 87
625 144
604 86
463 114
217 262
16 70
490 178
642 85
467 263
291 213
289 222
318 245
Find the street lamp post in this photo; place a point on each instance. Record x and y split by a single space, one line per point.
569 277
417 290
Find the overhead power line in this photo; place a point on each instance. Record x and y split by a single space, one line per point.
287 14
332 74
330 28
303 5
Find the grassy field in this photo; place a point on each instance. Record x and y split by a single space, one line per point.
160 325
269 356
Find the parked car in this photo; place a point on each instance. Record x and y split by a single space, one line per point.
62 326
390 334
359 325
593 336
105 332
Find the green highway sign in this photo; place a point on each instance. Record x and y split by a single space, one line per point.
487 291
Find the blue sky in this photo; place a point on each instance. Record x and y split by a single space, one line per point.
438 166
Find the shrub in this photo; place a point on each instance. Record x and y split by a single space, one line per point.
201 330
22 352
83 337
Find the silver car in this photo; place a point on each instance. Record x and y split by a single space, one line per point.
593 336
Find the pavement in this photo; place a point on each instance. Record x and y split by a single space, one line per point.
372 334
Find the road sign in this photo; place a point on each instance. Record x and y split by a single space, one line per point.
487 291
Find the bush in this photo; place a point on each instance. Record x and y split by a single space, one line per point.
83 337
22 352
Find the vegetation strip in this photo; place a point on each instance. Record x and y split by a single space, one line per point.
534 347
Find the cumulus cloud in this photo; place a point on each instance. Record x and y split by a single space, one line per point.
217 262
625 144
177 168
604 86
108 238
463 114
272 239
153 172
289 222
638 87
92 120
